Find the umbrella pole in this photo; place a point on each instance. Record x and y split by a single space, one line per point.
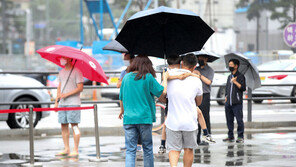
249 104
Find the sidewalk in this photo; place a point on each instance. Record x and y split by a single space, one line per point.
267 118
269 149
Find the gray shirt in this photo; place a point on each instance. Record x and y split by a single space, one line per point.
75 78
207 72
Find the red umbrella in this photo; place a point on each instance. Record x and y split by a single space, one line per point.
89 66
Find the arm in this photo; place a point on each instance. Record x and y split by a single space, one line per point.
198 100
121 110
75 91
119 83
203 78
181 76
226 91
239 82
162 97
58 96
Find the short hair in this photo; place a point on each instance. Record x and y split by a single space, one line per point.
174 60
132 56
189 60
235 62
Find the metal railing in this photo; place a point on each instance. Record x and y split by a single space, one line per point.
249 99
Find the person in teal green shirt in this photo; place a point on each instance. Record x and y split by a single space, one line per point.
137 100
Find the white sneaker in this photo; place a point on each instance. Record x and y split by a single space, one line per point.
208 138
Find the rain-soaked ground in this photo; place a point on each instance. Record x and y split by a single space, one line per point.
258 150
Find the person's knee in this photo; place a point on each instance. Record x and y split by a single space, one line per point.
65 125
188 150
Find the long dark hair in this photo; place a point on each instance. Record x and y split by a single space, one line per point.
143 65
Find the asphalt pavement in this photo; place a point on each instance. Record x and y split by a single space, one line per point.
266 150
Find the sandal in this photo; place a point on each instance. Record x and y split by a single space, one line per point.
63 154
73 155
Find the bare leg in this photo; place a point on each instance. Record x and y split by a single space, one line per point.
66 135
174 158
163 133
188 157
76 137
201 121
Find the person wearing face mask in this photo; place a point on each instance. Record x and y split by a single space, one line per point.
127 59
70 85
236 85
206 74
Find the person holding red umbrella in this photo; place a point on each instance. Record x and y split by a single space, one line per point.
76 65
68 95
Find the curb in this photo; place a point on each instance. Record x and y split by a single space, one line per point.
218 128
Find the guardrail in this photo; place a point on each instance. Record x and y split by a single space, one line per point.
249 91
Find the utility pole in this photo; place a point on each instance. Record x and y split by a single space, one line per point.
266 33
209 14
47 22
4 26
155 4
257 33
178 4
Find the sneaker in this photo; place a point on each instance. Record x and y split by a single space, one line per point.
162 150
208 138
203 143
139 148
240 140
228 139
122 148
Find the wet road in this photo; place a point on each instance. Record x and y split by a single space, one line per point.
258 150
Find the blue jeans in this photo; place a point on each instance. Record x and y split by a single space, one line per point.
237 112
132 133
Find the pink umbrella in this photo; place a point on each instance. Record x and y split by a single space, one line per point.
89 66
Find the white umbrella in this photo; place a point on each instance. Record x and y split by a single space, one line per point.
115 46
210 55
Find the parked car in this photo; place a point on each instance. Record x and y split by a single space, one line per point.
21 120
219 92
277 78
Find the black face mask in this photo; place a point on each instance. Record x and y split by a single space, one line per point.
201 62
231 69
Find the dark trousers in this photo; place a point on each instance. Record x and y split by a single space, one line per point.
237 112
205 109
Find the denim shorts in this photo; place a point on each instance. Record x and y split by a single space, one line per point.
70 116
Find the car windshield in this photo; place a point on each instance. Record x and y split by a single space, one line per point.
275 65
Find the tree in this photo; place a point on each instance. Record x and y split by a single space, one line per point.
283 10
254 12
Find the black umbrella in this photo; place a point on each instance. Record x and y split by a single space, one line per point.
115 46
163 32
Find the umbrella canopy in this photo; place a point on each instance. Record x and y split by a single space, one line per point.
164 31
89 66
210 55
115 46
247 68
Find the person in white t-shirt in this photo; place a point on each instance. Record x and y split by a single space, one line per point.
183 98
174 62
